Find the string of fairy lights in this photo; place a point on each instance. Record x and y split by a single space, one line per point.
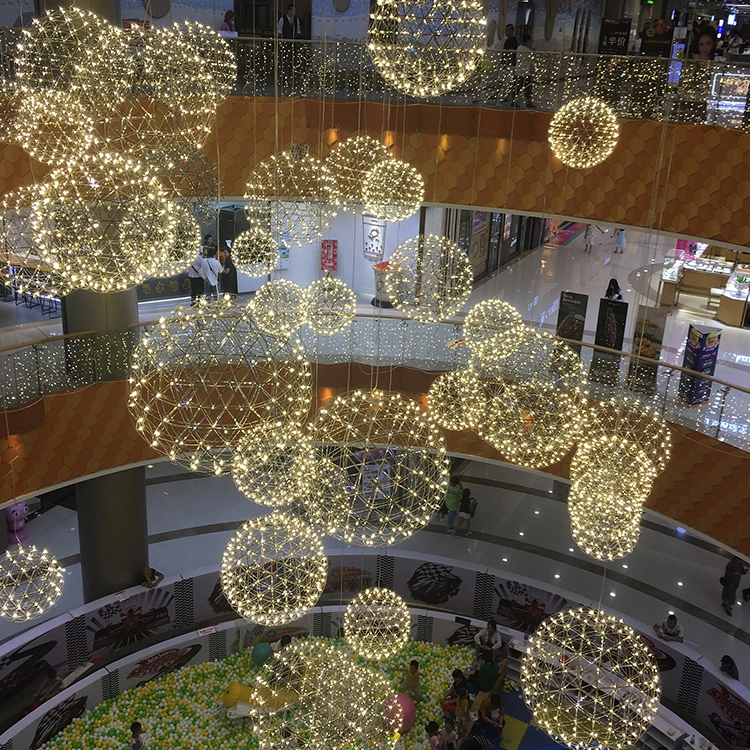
226 387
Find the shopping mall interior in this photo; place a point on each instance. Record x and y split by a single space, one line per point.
327 344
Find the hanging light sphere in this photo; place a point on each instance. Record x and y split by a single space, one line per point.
279 307
392 190
430 278
202 378
377 623
634 422
94 219
447 399
9 101
186 245
349 162
426 49
337 702
590 680
330 306
490 329
584 132
291 197
274 569
271 464
21 261
380 469
30 583
255 252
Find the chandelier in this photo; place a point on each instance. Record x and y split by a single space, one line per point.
583 133
330 306
392 190
278 308
491 329
377 623
255 252
30 583
448 398
348 163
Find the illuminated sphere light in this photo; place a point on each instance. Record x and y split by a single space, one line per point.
108 208
21 261
430 278
30 583
447 399
9 100
590 680
255 252
380 469
291 197
349 162
489 328
186 245
278 307
583 133
426 49
269 464
274 569
376 623
634 422
205 376
392 190
336 702
330 305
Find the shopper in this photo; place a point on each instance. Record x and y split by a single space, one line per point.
152 578
588 237
492 714
211 273
730 581
729 667
485 676
195 274
432 730
452 500
137 740
669 630
290 30
613 291
620 240
466 511
228 24
448 703
489 641
228 271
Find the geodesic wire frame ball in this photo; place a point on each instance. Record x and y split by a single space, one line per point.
583 132
206 375
380 469
430 278
330 305
186 245
376 623
348 163
30 583
447 399
392 190
103 223
291 197
323 698
279 307
255 252
489 328
271 464
426 49
590 680
274 569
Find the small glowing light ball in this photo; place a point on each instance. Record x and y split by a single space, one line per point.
30 583
584 132
376 623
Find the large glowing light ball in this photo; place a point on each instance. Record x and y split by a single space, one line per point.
30 583
330 305
491 329
348 163
448 397
584 132
590 680
274 569
392 190
377 623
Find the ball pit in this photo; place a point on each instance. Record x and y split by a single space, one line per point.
183 710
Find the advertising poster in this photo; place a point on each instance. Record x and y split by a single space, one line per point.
571 316
118 624
656 37
164 288
347 579
723 713
522 607
669 661
648 337
374 234
158 661
614 36
329 255
610 332
701 353
435 585
479 247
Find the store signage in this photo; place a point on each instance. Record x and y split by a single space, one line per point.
329 255
610 332
656 37
614 36
571 318
701 353
374 232
648 338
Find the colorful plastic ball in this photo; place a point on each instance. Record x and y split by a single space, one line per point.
403 704
261 654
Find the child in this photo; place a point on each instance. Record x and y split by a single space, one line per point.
448 737
410 685
137 740
448 703
462 711
432 732
492 713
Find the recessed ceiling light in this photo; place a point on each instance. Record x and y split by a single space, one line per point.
680 530
536 512
150 466
679 583
670 612
557 575
520 533
624 566
612 593
505 559
570 549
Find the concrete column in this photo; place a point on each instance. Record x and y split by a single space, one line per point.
112 531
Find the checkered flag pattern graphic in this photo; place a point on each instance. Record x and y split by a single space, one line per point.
483 593
299 151
111 685
690 686
76 642
424 628
516 588
183 603
7 745
322 624
217 645
386 567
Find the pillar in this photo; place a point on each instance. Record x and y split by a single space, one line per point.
112 531
107 9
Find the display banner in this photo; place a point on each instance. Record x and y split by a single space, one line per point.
329 255
701 353
610 332
656 37
614 35
571 316
648 338
374 233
